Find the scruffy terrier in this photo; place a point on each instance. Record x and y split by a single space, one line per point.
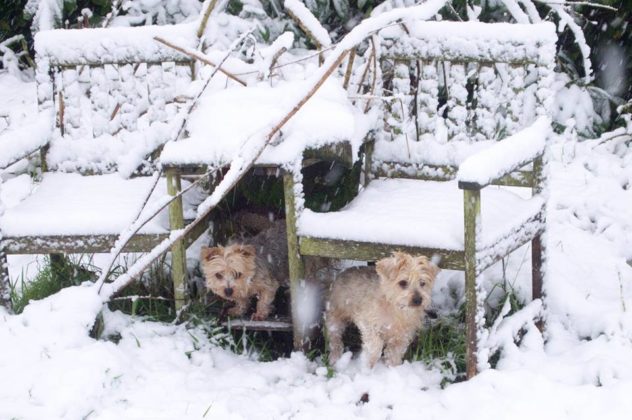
386 302
254 268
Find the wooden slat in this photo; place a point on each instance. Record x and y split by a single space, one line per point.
491 254
272 325
77 244
46 244
427 99
457 103
365 251
517 178
296 264
398 116
486 103
471 214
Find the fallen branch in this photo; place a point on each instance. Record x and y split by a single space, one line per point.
239 167
138 223
254 146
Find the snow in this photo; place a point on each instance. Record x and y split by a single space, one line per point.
224 120
298 9
503 157
418 213
580 368
72 204
498 42
20 133
108 45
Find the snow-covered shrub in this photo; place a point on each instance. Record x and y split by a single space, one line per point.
574 102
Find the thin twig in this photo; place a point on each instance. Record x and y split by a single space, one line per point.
205 16
579 3
199 56
349 70
374 81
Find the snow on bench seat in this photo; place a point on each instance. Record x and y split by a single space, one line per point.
71 204
224 119
424 214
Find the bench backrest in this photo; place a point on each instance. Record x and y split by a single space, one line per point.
452 88
114 91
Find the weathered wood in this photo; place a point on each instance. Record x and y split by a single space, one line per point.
472 213
272 325
427 99
536 267
5 287
369 146
457 102
349 70
428 172
514 239
296 263
74 244
178 250
366 251
537 247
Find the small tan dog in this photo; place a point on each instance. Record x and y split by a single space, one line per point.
255 268
386 302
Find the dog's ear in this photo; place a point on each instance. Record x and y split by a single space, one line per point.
428 266
208 254
385 267
247 250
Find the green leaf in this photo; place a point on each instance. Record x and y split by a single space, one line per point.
342 8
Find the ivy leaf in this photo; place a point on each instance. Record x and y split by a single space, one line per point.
342 8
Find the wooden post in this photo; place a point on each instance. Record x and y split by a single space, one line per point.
296 265
472 212
368 161
537 251
5 287
178 249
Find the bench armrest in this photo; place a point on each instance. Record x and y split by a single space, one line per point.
19 142
507 155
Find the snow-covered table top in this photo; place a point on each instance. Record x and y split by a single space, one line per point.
71 204
223 120
426 214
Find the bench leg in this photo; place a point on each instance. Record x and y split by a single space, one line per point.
5 287
536 267
178 250
472 210
295 261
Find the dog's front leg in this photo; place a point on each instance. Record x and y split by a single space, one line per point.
239 309
372 345
395 350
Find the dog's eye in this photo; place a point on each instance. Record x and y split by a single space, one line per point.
218 276
422 284
403 284
237 275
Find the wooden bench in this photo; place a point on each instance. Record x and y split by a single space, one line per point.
451 91
108 100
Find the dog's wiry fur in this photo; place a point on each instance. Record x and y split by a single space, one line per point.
256 267
386 302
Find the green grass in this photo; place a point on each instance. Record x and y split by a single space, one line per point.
442 345
54 275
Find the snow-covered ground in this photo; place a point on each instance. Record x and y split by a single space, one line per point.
581 368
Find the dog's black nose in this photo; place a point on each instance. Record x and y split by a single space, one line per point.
228 291
417 300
